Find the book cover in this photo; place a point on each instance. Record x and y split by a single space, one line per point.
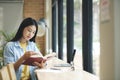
38 58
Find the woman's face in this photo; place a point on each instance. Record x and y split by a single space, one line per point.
29 32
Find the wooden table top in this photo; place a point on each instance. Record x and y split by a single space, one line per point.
62 73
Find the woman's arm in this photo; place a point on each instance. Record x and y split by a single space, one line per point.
18 63
23 58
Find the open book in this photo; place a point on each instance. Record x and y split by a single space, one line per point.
38 58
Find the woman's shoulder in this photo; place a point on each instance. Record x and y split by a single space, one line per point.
8 44
31 43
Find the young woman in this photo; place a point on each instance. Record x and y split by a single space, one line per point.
21 47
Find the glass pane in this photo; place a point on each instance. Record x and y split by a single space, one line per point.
78 32
96 42
64 32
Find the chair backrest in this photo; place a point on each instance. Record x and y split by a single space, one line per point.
8 72
11 71
4 75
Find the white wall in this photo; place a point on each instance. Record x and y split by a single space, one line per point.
1 18
12 15
107 49
110 43
117 38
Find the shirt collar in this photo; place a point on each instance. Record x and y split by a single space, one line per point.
17 43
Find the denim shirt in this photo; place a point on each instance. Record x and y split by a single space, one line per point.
13 51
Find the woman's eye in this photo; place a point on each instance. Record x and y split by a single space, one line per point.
33 32
29 30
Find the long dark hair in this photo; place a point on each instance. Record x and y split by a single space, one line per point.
25 23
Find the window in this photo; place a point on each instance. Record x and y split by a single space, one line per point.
78 33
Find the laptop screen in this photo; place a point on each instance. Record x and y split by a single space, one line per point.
73 55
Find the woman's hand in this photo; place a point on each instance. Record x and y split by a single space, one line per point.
40 65
28 54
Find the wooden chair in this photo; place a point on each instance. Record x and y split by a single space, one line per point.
11 71
8 72
4 75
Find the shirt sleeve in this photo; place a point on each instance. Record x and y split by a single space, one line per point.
8 54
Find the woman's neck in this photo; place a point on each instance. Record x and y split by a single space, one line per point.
22 41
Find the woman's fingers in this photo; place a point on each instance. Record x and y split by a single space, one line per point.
40 65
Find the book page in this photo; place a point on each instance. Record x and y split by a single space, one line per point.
49 56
